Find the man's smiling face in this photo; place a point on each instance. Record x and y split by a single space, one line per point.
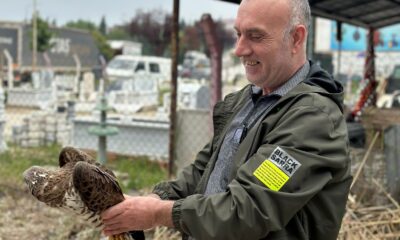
261 44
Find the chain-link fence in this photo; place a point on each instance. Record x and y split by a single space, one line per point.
55 97
50 111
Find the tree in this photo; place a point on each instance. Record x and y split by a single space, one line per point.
118 33
190 39
103 26
44 34
82 24
225 36
153 29
102 44
100 39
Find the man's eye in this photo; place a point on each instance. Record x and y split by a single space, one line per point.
255 37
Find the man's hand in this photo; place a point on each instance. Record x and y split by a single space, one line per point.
137 213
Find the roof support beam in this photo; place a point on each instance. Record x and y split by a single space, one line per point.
331 15
341 10
356 4
372 11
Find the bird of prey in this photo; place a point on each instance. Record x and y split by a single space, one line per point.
80 185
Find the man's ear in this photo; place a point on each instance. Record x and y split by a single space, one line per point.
299 36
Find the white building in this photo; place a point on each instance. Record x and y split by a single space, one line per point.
126 47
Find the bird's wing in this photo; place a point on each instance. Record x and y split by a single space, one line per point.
97 188
73 155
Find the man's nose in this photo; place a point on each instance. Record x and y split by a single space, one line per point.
242 47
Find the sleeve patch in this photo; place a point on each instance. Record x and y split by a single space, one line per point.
275 171
271 175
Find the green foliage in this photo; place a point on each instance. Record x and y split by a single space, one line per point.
99 38
82 24
44 34
118 33
102 44
103 26
153 30
140 172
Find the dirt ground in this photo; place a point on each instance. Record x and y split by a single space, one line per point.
23 217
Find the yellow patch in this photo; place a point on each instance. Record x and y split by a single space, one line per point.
269 174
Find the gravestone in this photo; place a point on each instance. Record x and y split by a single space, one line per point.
87 87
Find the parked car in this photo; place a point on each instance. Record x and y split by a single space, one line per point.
196 65
126 66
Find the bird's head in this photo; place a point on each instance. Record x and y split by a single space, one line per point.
37 179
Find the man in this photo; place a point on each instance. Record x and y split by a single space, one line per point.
277 166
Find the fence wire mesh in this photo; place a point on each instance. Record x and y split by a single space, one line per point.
61 109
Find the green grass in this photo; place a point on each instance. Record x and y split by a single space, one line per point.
142 172
15 161
137 173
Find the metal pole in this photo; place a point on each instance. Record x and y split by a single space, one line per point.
77 74
339 39
103 130
174 85
1 67
10 75
367 95
208 26
103 80
103 117
34 36
103 138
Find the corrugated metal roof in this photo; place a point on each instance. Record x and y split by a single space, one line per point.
364 13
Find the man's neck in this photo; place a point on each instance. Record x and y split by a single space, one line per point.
292 72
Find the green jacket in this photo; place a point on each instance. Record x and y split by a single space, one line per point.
300 198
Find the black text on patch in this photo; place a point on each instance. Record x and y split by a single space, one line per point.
284 161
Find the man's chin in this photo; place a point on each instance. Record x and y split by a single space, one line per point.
253 79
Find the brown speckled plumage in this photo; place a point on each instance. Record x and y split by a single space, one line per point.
80 184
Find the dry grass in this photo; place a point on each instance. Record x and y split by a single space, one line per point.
372 213
24 217
371 222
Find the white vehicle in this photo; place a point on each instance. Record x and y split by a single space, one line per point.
126 66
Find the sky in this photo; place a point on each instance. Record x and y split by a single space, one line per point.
115 11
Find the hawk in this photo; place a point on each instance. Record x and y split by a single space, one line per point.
80 185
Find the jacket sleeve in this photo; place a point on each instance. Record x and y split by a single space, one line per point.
249 209
187 180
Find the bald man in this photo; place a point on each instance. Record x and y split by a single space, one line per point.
277 166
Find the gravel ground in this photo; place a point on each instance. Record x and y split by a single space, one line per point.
23 217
